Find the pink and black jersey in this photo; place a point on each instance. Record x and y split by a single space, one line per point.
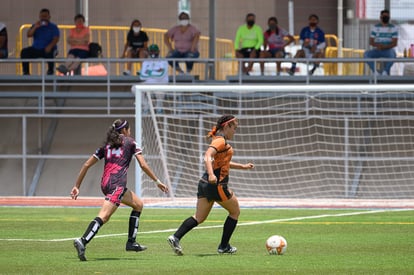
117 162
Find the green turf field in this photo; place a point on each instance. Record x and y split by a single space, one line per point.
39 241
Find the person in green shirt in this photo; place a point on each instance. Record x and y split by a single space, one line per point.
249 39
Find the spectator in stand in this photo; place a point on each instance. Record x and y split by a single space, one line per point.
383 39
136 45
78 40
249 39
4 53
312 39
155 71
274 43
45 38
185 37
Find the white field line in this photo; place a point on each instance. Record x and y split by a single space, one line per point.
220 226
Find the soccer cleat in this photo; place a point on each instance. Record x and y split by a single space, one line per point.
227 250
175 245
126 73
80 248
62 69
134 247
291 71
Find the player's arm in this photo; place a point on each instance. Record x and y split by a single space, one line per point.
235 165
145 167
85 167
208 162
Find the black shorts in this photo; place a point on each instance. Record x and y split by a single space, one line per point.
213 192
246 52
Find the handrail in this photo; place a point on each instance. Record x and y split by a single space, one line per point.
112 39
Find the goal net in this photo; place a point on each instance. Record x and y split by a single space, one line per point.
315 141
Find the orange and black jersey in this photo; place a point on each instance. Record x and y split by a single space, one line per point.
221 162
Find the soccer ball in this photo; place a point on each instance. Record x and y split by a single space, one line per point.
276 245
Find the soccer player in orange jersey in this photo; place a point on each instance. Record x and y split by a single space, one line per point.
213 186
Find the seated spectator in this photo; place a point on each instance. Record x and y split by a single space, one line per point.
136 44
45 38
155 71
274 43
4 53
383 39
312 39
185 37
249 39
78 40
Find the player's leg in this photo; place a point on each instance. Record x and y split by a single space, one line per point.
108 208
132 200
232 206
203 208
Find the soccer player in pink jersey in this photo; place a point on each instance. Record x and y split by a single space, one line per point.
118 150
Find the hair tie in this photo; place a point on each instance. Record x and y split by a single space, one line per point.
121 126
228 121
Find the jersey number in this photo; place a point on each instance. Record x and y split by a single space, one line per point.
117 153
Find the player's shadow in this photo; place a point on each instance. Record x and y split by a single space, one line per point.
206 255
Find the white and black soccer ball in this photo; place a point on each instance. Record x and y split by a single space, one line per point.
276 245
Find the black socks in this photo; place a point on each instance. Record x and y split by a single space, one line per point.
186 226
133 225
92 230
228 229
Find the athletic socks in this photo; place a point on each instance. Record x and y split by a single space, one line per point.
228 229
92 230
133 225
186 226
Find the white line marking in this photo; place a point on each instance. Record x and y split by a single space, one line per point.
220 226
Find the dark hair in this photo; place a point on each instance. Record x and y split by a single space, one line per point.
184 13
221 122
268 21
113 136
250 14
385 11
313 16
45 10
131 32
79 16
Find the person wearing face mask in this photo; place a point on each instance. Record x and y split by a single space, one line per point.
383 39
45 36
136 45
78 40
184 37
312 39
249 39
275 43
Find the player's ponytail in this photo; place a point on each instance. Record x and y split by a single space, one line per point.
221 122
113 136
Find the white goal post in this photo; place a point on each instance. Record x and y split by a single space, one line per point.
306 141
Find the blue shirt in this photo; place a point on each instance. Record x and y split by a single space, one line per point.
44 35
316 37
